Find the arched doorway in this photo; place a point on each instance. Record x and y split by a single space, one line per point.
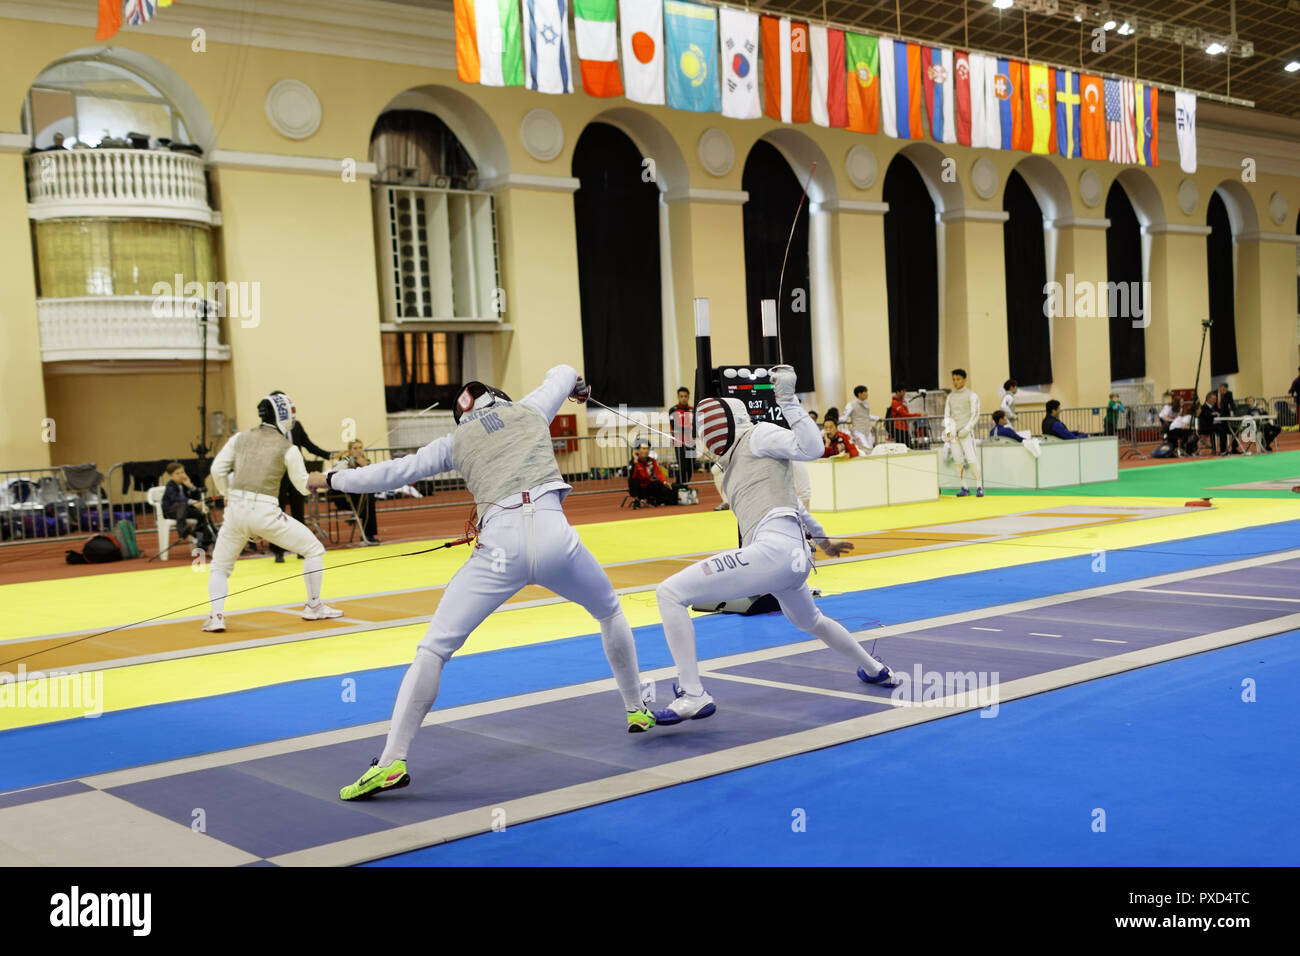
911 255
1124 265
1029 337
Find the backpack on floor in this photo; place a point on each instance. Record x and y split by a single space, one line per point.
126 539
100 549
1163 450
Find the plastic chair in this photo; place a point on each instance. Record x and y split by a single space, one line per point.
155 497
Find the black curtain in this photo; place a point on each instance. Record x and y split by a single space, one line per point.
1024 254
1218 271
774 193
616 217
911 278
411 146
1128 346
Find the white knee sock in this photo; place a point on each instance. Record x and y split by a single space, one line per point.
620 650
836 636
414 699
218 588
312 571
680 633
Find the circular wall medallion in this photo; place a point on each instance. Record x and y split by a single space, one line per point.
1277 208
542 134
1188 197
860 166
293 109
1090 188
716 151
984 178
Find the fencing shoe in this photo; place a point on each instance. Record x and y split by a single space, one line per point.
886 677
376 779
686 707
320 611
639 721
215 622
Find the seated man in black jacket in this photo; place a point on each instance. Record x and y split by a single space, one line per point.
1208 424
1053 426
177 504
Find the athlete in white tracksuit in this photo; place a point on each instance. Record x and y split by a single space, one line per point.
962 409
247 471
504 454
859 420
774 557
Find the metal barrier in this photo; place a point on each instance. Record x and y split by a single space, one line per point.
1284 407
36 504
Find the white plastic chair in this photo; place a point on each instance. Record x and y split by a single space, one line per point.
155 497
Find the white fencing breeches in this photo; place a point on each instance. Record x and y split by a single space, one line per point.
533 544
965 454
777 561
247 516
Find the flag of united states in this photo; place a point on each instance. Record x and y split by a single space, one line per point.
1121 130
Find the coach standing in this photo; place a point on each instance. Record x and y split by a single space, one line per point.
682 419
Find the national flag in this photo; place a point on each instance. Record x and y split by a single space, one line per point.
1067 114
829 90
546 46
900 89
1026 138
110 18
1185 129
785 70
488 48
937 85
1015 116
991 138
862 75
1042 97
692 32
1092 117
642 38
137 12
739 32
1144 121
595 26
1120 134
961 95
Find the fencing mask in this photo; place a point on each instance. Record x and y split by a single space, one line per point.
476 395
719 422
278 409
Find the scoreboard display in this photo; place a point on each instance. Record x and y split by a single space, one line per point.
752 385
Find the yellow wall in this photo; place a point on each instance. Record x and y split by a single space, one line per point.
307 240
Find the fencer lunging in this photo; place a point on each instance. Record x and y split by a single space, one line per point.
503 452
247 471
758 480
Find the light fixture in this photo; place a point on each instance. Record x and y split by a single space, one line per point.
1155 30
1215 48
1079 11
1292 67
1002 4
1125 29
1108 25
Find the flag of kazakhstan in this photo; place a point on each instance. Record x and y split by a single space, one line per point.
692 35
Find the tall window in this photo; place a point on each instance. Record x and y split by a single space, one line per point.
1029 337
911 278
1128 351
420 368
616 220
1219 275
774 193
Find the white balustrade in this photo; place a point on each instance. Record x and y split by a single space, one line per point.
150 183
134 327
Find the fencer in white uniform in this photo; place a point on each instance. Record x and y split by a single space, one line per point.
774 557
247 471
963 408
858 420
503 452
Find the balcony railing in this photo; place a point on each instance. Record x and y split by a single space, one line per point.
130 327
149 183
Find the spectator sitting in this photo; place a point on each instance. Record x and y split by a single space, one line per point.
1009 389
647 481
1180 429
813 415
1001 429
1214 431
1053 426
833 415
838 444
363 505
176 504
1114 408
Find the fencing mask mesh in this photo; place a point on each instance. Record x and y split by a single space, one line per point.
719 422
476 395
